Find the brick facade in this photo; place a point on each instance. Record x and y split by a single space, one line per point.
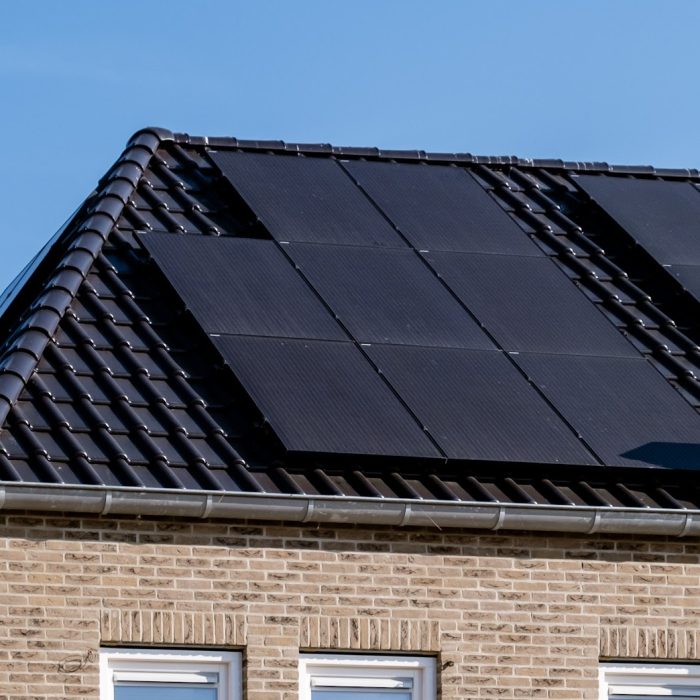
507 615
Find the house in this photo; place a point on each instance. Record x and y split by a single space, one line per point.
290 421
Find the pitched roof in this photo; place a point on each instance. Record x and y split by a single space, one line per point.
499 333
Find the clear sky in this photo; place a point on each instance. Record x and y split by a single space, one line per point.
612 80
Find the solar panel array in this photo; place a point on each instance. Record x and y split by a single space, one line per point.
398 311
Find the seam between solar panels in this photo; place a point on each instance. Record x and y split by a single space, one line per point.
483 328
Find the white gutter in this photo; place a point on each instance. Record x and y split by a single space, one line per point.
99 500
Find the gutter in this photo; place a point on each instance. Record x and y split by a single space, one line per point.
344 510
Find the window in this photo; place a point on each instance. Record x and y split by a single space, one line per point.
644 681
169 674
354 677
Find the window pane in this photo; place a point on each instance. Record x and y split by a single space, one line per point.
361 694
164 692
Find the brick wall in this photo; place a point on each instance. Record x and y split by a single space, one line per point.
506 615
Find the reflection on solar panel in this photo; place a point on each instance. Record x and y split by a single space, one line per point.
688 276
306 199
662 216
476 405
441 208
387 296
323 397
528 304
622 407
241 286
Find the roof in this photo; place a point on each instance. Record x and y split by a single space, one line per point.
129 374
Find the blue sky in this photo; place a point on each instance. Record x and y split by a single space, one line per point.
612 80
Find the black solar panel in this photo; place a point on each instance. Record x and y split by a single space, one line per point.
688 276
622 407
306 199
323 397
662 216
528 304
241 286
477 405
441 208
387 296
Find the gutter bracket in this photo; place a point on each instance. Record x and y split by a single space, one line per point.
597 517
500 519
208 505
309 511
686 525
107 506
406 516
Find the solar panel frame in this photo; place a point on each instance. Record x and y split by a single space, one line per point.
324 397
619 405
440 207
662 216
227 284
477 405
302 198
387 296
528 304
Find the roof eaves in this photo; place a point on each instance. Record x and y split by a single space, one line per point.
348 510
79 246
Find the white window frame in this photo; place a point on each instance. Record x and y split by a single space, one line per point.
170 666
639 680
364 671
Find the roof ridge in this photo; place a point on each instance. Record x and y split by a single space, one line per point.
421 155
85 238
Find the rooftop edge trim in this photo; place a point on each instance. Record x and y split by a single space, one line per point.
97 222
327 149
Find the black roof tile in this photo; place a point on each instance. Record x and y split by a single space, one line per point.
125 389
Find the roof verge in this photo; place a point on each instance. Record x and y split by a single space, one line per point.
78 244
